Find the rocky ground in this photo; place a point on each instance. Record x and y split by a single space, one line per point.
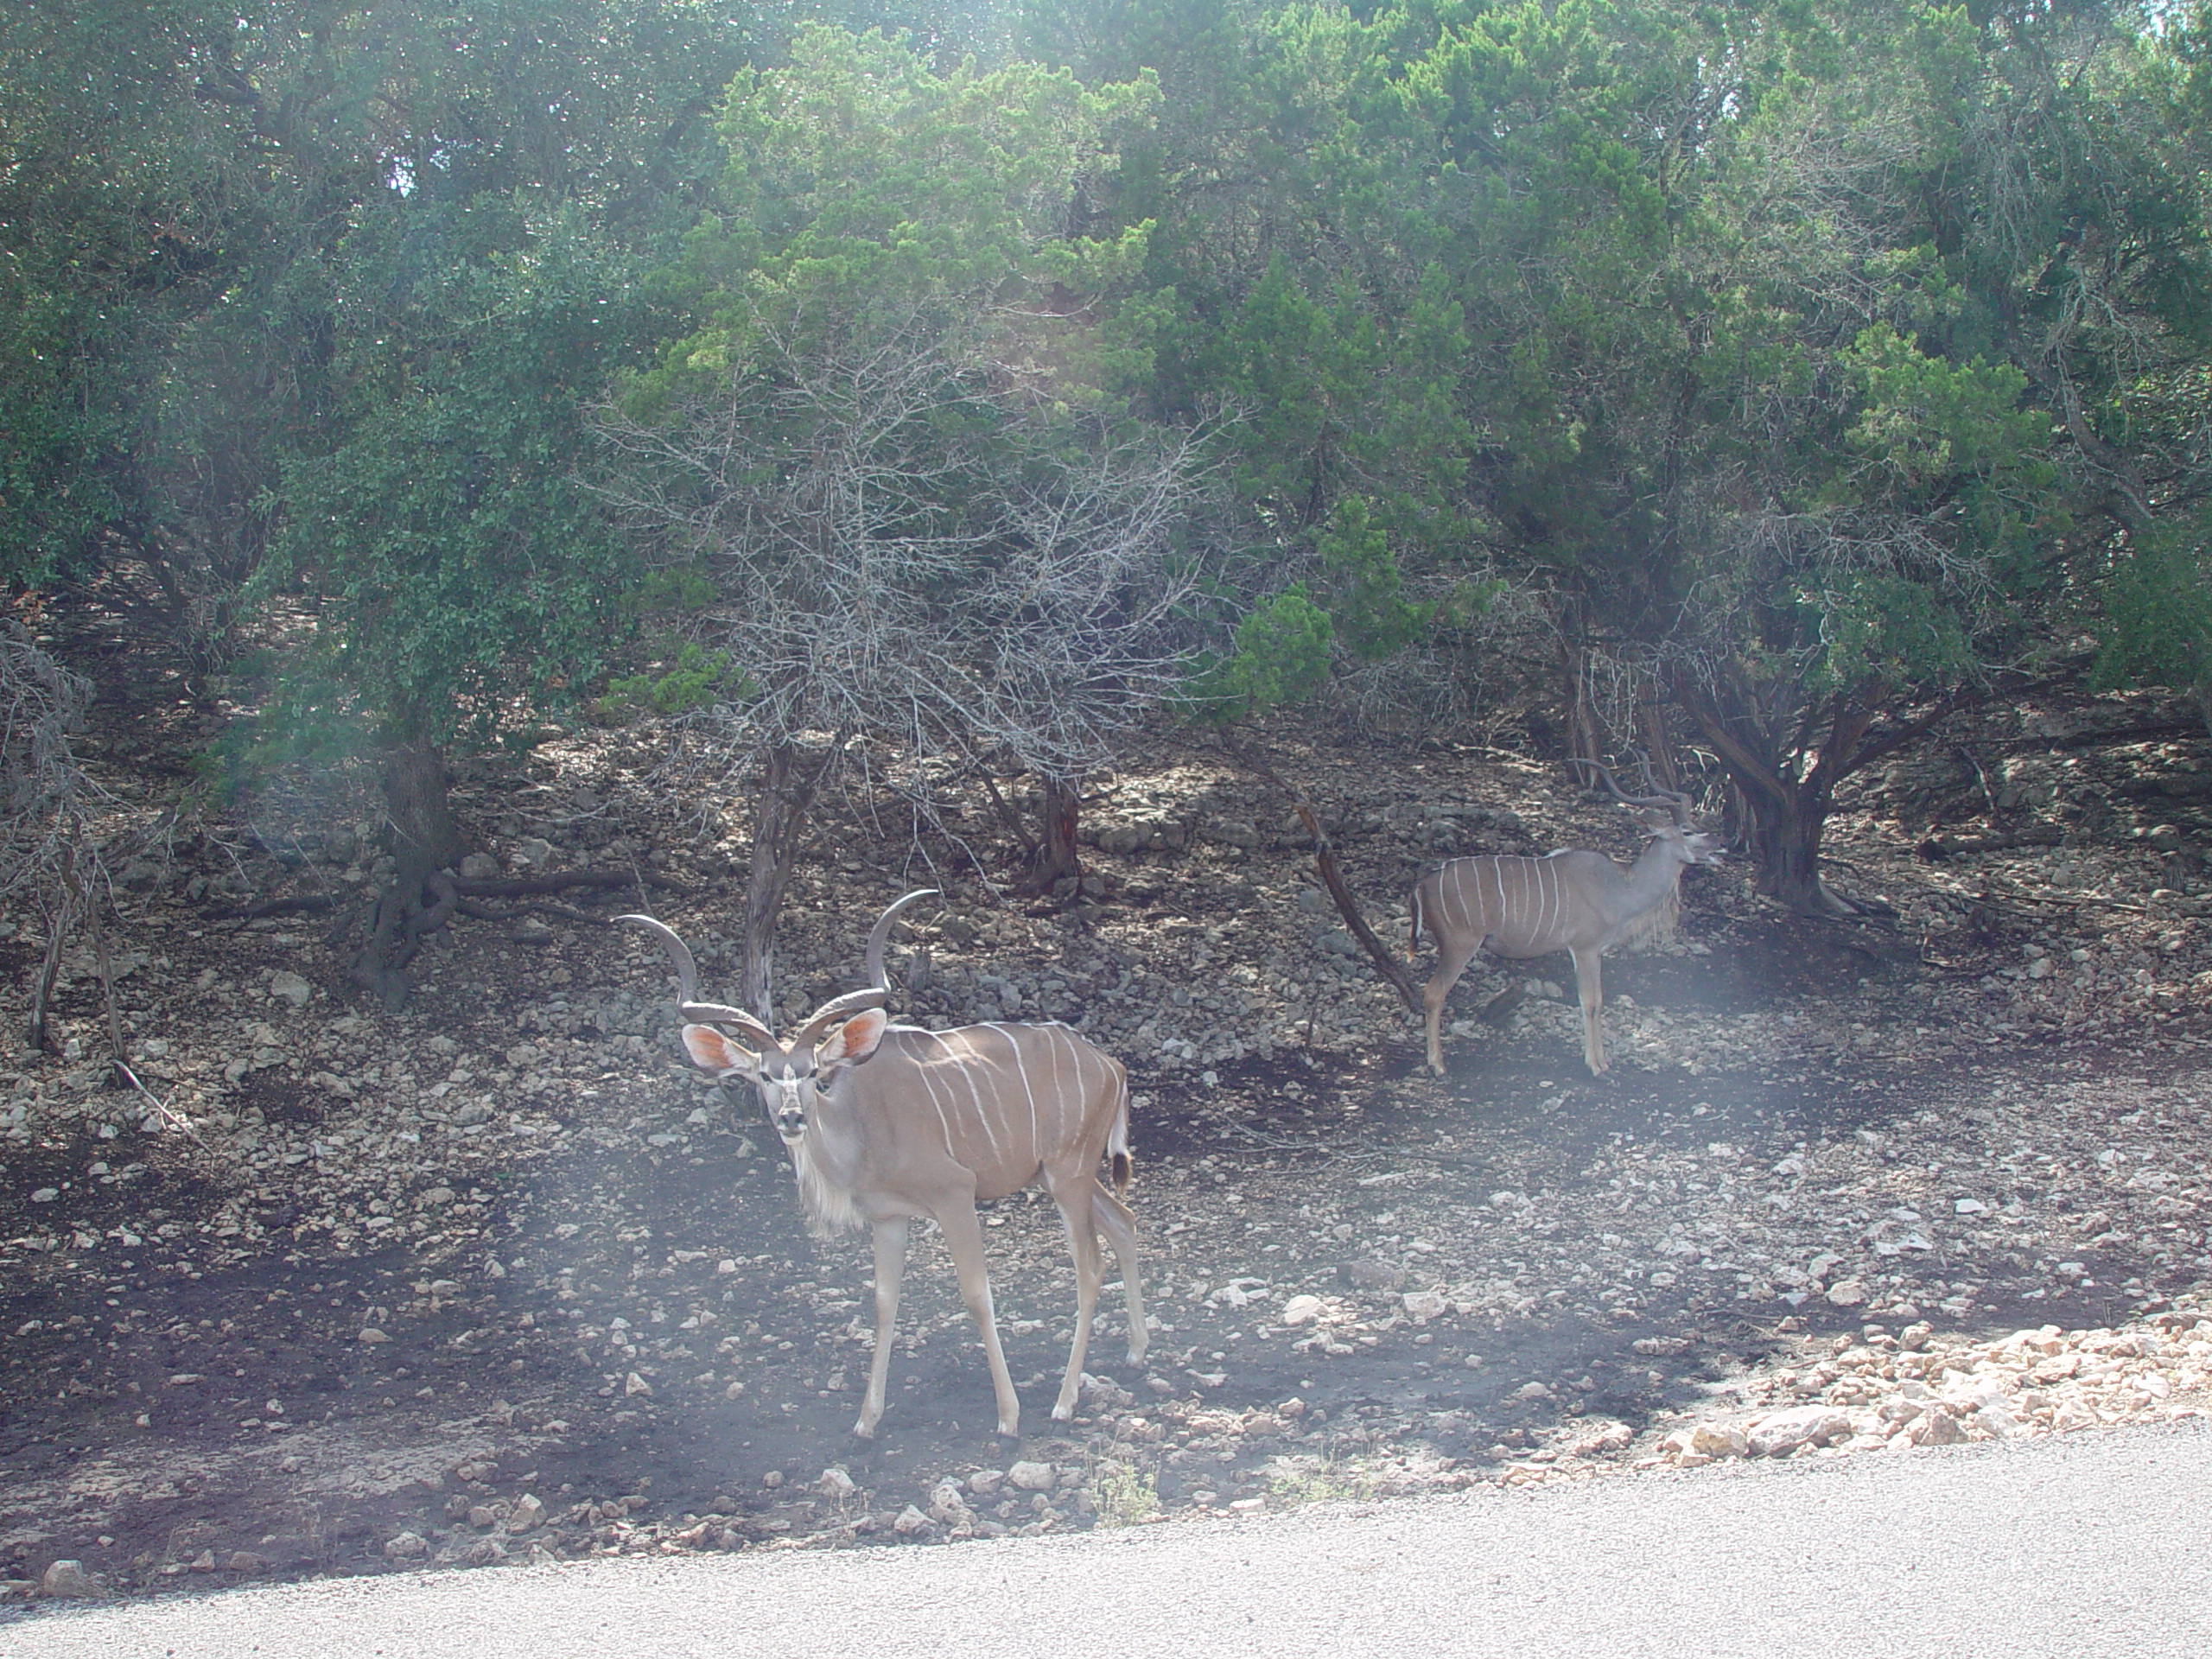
498 1277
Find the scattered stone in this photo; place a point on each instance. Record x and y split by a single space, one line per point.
1695 1232
1937 1426
948 1506
1779 1434
68 1579
407 1546
1423 1305
1377 1278
1605 1439
1720 1440
290 987
1032 1477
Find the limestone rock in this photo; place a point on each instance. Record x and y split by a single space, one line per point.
68 1579
1779 1434
1423 1305
1937 1428
1380 1277
1302 1310
948 1505
1032 1477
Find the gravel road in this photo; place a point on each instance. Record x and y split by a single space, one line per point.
2085 1543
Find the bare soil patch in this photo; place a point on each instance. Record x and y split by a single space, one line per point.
498 1278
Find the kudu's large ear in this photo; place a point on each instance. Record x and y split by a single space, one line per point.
710 1051
856 1040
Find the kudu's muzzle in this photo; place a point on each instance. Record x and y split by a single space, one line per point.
787 1110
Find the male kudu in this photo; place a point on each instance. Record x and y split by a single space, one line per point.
885 1123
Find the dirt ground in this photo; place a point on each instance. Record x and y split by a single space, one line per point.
498 1278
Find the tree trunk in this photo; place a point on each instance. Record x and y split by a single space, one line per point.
1785 812
1394 972
418 804
1786 836
1059 809
1587 739
425 841
788 786
1658 742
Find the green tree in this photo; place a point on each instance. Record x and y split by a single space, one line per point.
1964 459
336 279
477 303
1745 418
890 440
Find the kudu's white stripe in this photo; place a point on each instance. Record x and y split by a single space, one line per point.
928 1076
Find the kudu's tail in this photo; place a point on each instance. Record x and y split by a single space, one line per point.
1118 1161
1412 938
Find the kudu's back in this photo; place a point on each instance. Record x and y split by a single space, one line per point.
1002 1102
1521 907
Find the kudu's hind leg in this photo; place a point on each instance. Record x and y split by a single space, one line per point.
890 1268
1072 1195
1113 1219
1451 962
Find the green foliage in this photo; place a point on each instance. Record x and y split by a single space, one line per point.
1926 420
675 588
2158 612
338 279
1371 617
1812 356
888 424
871 196
1327 1479
1880 629
462 558
1125 1496
1279 660
697 678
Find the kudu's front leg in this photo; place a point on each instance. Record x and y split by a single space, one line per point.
1072 1193
1590 982
890 1268
964 1240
